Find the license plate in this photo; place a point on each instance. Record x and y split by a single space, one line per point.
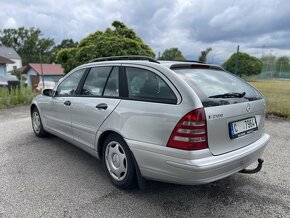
242 127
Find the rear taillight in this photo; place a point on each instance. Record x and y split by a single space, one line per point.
190 132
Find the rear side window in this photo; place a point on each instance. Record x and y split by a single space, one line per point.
95 81
148 86
209 82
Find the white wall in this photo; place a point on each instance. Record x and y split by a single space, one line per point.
18 64
2 69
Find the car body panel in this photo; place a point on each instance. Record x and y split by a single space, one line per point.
54 114
193 167
144 121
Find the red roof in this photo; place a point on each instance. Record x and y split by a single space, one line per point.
47 69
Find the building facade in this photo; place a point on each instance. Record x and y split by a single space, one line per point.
36 74
11 54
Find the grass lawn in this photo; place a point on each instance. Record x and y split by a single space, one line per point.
277 94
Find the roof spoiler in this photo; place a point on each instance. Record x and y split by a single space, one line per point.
195 66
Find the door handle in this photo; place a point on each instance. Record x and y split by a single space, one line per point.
102 106
67 103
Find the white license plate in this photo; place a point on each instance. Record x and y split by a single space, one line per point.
242 127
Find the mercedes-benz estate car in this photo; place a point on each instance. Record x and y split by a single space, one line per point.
171 121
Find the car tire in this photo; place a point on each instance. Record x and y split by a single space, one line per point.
118 162
37 124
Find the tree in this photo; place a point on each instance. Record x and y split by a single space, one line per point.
248 65
172 54
65 43
112 42
203 55
282 64
28 43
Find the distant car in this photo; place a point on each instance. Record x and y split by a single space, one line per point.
171 121
47 85
9 81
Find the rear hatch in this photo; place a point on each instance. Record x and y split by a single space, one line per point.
222 121
235 111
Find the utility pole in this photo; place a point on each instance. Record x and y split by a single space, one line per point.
41 71
237 61
268 63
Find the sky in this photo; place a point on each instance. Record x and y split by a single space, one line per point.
258 26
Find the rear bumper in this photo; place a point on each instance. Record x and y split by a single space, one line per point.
193 167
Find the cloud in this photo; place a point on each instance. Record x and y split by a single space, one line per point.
10 23
191 25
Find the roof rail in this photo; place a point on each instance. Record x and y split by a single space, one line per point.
118 58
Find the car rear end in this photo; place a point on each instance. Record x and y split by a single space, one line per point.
223 136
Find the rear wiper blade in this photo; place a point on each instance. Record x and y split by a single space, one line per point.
229 95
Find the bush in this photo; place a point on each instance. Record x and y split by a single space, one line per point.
20 96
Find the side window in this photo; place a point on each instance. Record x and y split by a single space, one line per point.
95 81
146 85
70 84
112 86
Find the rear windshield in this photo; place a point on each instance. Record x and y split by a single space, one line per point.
208 83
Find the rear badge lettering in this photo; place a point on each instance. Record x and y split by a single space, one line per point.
215 116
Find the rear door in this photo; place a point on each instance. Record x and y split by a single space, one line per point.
98 97
149 108
235 111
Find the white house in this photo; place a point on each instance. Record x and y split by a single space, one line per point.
11 54
5 77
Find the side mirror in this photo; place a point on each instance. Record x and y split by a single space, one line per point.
47 92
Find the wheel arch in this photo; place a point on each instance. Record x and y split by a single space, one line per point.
142 183
32 107
102 138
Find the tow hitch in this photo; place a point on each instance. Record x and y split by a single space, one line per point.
257 169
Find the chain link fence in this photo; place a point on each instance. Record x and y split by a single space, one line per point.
273 68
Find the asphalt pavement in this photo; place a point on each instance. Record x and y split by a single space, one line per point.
52 178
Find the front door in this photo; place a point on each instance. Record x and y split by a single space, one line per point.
58 113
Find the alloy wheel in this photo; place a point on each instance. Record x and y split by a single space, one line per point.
36 122
116 161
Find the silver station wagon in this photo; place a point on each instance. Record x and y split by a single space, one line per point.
171 121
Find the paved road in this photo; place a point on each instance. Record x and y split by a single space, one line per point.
51 178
